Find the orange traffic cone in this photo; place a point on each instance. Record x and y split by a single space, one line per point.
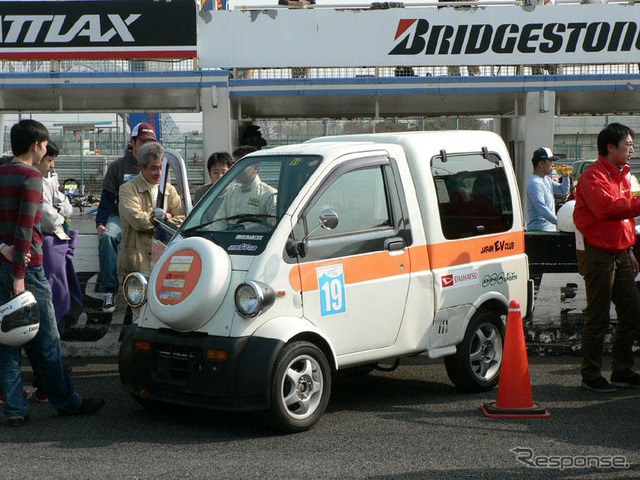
515 398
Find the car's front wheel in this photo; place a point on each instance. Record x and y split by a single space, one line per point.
300 387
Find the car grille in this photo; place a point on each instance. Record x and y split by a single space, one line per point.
174 361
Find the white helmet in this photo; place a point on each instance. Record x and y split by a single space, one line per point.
19 319
565 217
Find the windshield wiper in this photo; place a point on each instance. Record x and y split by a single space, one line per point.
246 217
197 227
240 218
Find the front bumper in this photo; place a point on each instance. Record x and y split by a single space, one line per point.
175 369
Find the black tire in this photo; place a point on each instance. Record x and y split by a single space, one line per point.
300 387
476 365
149 404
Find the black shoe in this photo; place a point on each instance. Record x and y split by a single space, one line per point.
632 381
599 384
89 406
17 422
41 397
109 302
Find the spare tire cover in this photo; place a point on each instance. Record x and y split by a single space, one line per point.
565 217
189 283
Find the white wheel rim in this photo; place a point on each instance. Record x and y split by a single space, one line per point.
486 351
302 387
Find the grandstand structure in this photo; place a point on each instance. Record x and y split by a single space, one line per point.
521 64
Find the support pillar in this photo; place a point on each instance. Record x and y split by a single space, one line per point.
1 133
219 127
529 128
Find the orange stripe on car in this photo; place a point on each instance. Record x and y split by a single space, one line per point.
477 249
359 268
372 266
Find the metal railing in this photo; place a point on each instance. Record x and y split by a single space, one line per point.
433 3
246 72
432 71
83 66
95 167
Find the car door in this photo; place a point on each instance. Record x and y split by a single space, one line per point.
355 277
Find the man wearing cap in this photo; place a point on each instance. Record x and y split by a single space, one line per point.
108 222
540 191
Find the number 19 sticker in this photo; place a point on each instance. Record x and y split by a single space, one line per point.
331 284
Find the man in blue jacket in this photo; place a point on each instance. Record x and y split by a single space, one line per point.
540 191
108 222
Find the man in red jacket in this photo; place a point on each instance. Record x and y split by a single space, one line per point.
604 218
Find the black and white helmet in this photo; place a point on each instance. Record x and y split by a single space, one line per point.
19 319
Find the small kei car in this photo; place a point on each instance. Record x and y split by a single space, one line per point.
339 253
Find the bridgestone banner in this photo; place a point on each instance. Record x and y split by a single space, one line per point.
97 30
492 35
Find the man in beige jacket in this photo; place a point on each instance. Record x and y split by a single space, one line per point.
137 200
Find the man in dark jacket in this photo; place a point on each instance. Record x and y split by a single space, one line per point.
108 222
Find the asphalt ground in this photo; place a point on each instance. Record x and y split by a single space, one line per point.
407 424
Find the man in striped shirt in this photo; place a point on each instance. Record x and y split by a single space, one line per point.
20 218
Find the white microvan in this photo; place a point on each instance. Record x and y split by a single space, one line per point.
337 253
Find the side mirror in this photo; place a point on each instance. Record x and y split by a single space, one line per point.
328 220
158 214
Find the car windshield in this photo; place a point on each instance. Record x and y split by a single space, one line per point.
251 197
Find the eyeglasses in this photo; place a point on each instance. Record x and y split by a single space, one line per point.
628 144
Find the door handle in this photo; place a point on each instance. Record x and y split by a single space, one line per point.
394 244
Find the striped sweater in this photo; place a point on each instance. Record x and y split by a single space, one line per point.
21 214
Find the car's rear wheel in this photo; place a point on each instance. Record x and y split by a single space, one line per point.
300 387
475 367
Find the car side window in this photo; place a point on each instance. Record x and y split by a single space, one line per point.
473 195
360 200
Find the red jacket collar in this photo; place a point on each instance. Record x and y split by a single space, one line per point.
612 170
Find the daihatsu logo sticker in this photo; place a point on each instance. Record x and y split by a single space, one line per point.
461 279
447 281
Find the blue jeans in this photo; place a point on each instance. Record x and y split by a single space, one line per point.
43 350
108 254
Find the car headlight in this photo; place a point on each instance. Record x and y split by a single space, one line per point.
135 289
252 298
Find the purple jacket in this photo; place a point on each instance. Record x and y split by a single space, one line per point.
59 271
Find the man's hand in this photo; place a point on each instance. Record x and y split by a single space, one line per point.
101 229
298 3
634 262
7 252
18 286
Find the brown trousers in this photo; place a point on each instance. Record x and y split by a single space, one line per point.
608 278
